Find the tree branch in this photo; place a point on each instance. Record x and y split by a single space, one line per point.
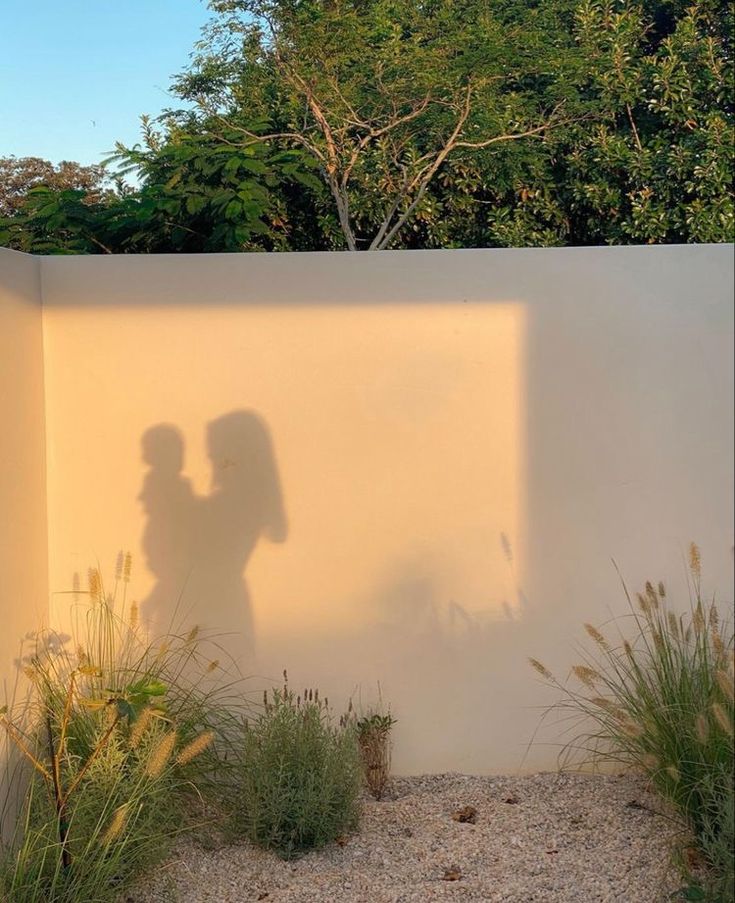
421 182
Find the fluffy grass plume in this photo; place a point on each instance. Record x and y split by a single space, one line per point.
126 734
660 698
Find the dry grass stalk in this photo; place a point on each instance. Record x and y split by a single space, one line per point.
373 734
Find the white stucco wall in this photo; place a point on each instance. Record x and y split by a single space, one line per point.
409 469
23 535
463 441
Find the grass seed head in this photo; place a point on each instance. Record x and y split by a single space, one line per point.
650 762
609 706
95 584
542 669
631 728
160 754
597 637
725 683
195 748
717 644
192 634
702 728
587 675
724 720
673 624
651 595
117 824
698 619
140 726
695 561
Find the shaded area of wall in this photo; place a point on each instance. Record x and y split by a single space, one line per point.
630 429
23 533
410 468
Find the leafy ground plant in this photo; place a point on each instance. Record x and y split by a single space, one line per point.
121 738
662 702
92 823
300 774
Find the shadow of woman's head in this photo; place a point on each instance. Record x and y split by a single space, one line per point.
244 470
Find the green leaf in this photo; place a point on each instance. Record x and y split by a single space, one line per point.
693 893
147 687
125 709
195 203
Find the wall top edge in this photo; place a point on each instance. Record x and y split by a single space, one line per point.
285 255
363 255
385 277
19 255
20 277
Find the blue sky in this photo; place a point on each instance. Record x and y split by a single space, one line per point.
75 75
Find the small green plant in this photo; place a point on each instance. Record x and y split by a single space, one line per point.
300 774
715 845
374 738
91 824
662 702
118 741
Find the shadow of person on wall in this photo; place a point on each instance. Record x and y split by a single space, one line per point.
169 504
198 547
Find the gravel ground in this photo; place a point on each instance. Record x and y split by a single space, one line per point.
547 838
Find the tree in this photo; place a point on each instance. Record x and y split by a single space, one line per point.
195 196
380 93
658 164
325 124
18 175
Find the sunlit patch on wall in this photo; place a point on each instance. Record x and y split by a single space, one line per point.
396 433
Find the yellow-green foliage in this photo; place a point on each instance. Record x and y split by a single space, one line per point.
660 697
118 736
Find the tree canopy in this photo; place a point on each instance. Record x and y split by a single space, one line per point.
18 175
370 124
381 94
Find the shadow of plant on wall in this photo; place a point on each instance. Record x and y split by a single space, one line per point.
198 546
